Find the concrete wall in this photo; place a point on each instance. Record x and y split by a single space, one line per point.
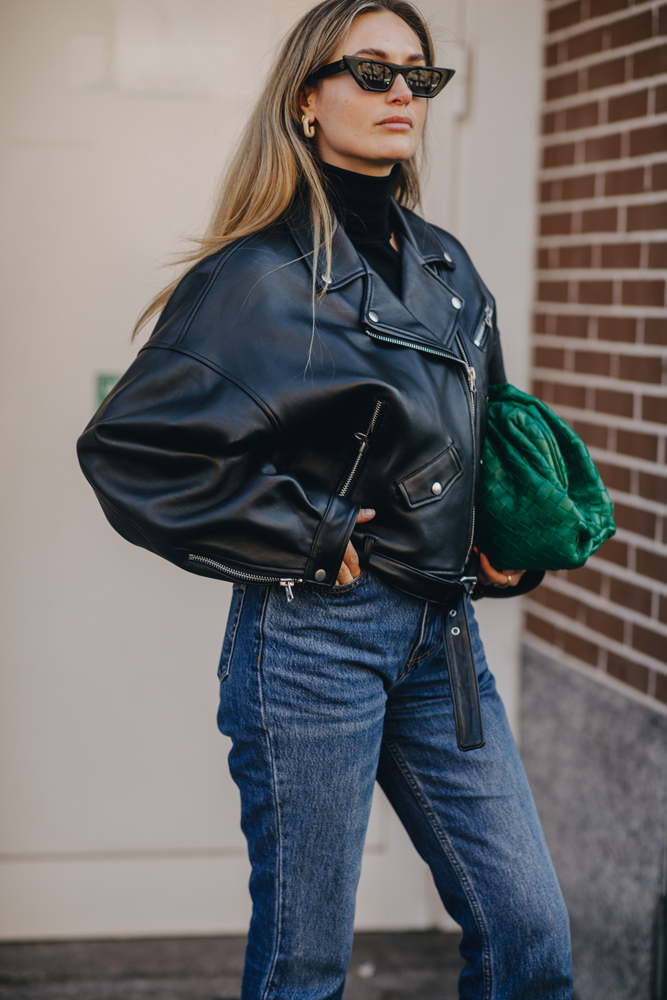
118 816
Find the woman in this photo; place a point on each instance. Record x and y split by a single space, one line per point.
323 365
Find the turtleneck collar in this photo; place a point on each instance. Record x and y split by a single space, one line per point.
361 202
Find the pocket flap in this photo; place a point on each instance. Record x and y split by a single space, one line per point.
431 482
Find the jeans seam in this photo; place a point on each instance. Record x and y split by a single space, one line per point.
224 674
279 894
412 660
450 853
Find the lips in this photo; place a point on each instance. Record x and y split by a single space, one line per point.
396 119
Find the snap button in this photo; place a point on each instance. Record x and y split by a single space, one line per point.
373 316
456 302
320 575
436 489
448 257
456 630
452 613
325 280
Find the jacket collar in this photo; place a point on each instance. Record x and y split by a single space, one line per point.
430 306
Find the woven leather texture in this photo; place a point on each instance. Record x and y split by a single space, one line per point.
543 503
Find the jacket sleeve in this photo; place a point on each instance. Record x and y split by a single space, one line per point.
180 457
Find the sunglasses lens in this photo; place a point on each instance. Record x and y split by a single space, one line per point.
423 81
375 75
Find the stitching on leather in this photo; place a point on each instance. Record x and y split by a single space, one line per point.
451 855
279 891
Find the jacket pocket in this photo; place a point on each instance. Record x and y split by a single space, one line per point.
430 483
233 619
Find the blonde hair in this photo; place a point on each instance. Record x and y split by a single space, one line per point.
275 163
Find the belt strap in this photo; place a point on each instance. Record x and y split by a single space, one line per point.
463 678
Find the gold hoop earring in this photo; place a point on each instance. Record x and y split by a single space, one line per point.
308 127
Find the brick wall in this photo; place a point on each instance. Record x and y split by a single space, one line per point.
600 334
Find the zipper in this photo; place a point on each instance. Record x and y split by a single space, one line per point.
485 325
286 582
364 445
472 387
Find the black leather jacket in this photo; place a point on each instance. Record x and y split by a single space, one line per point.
240 444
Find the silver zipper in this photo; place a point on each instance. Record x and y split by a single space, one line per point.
472 386
286 582
439 352
486 324
364 445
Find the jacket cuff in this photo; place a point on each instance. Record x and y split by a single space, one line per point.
531 578
331 541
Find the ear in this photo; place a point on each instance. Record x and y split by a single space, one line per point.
307 99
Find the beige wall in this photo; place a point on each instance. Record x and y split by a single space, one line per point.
118 816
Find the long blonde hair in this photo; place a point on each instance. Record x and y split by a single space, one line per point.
275 163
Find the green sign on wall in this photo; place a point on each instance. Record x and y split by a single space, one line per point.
105 383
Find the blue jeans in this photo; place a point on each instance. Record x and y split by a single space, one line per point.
321 697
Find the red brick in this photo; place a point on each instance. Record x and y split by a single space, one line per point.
585 44
581 116
661 687
548 123
572 326
651 564
618 403
542 260
648 140
582 649
617 328
549 357
552 291
657 255
633 674
600 7
578 187
649 62
631 29
569 395
637 369
591 363
628 106
592 435
654 409
540 323
615 477
640 522
563 17
640 445
556 224
653 488
647 216
551 55
629 595
659 177
558 156
561 86
590 579
599 220
643 293
545 630
607 147
662 610
655 331
661 99
558 602
575 256
650 643
606 74
614 552
624 181
662 20
596 292
621 254
545 191
606 624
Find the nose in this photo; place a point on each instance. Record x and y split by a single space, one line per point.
399 92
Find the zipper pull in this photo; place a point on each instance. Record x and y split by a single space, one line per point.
472 379
487 322
289 593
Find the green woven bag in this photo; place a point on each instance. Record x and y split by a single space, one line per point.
543 503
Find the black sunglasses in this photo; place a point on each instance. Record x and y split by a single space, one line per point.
370 74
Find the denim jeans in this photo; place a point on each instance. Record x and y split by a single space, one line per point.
322 696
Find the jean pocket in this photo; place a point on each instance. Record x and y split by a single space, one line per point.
235 608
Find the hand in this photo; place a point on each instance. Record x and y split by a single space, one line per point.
487 574
350 568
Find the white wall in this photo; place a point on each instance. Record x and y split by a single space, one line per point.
118 816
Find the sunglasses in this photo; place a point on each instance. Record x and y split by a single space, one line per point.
370 74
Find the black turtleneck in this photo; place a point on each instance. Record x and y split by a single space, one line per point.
362 204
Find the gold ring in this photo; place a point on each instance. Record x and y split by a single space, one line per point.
509 579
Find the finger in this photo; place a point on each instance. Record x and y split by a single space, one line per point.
365 514
491 574
351 560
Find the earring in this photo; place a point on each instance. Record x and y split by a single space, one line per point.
308 127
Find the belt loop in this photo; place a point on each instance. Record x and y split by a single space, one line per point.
369 542
463 677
